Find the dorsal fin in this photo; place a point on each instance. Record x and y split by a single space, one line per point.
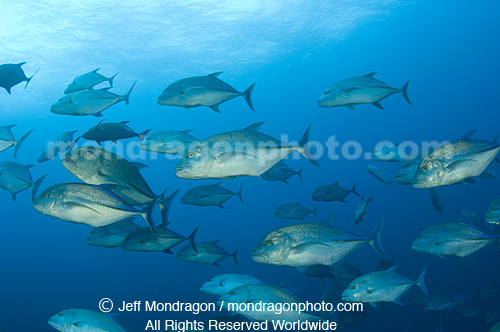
255 126
469 134
216 74
124 122
370 75
187 131
105 89
392 269
20 63
95 70
100 122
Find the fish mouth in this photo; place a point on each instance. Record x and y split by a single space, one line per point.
68 162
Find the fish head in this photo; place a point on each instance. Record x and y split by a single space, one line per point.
62 106
331 97
406 173
426 242
196 164
240 294
83 162
63 321
172 97
45 203
214 286
384 153
274 249
355 291
429 173
70 88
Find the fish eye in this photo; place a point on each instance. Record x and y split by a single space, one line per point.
268 243
424 169
190 155
421 237
46 195
60 315
81 153
183 93
232 293
353 287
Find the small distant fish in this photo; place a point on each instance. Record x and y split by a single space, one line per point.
82 320
163 239
493 213
361 209
11 74
16 177
489 290
7 140
224 283
63 143
406 173
333 192
391 154
89 102
112 131
170 142
245 152
383 286
308 244
209 195
294 211
111 236
436 202
452 239
87 81
87 204
164 203
360 90
281 172
198 91
379 174
443 302
205 252
383 265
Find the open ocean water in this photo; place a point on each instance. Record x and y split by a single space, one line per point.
294 51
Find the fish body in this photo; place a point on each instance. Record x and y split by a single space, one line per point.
332 192
199 91
391 153
87 81
63 143
436 202
224 283
455 162
293 211
209 195
111 236
88 102
15 177
11 74
246 152
163 239
383 286
406 173
82 320
308 244
205 252
7 140
360 90
379 174
452 239
170 142
112 131
281 172
361 209
493 213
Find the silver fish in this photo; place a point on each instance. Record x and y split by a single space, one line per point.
224 283
112 131
82 320
294 211
88 102
209 195
281 172
170 142
361 209
379 174
202 91
360 90
245 152
333 192
87 81
111 236
205 252
7 140
11 74
406 173
163 239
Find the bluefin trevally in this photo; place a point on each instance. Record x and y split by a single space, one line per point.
83 320
205 252
333 192
281 172
163 239
7 140
294 211
169 142
11 74
209 195
63 143
222 284
112 131
87 81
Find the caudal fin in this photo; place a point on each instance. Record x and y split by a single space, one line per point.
375 239
239 193
110 80
235 257
165 204
404 92
299 173
303 148
315 212
29 78
247 94
143 135
147 214
127 96
20 142
353 190
36 186
421 282
190 238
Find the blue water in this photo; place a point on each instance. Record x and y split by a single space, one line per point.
448 49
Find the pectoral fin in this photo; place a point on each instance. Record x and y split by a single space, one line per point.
308 246
81 206
225 156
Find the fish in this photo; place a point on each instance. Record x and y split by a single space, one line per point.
266 294
245 152
205 252
359 90
111 236
164 203
199 91
113 131
170 142
63 143
209 195
406 173
16 177
294 211
493 213
391 153
94 165
92 205
11 74
345 271
333 192
281 172
224 283
361 209
452 239
308 244
162 240
88 81
83 320
455 162
379 174
7 140
318 271
442 302
382 286
89 102
436 202
383 265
